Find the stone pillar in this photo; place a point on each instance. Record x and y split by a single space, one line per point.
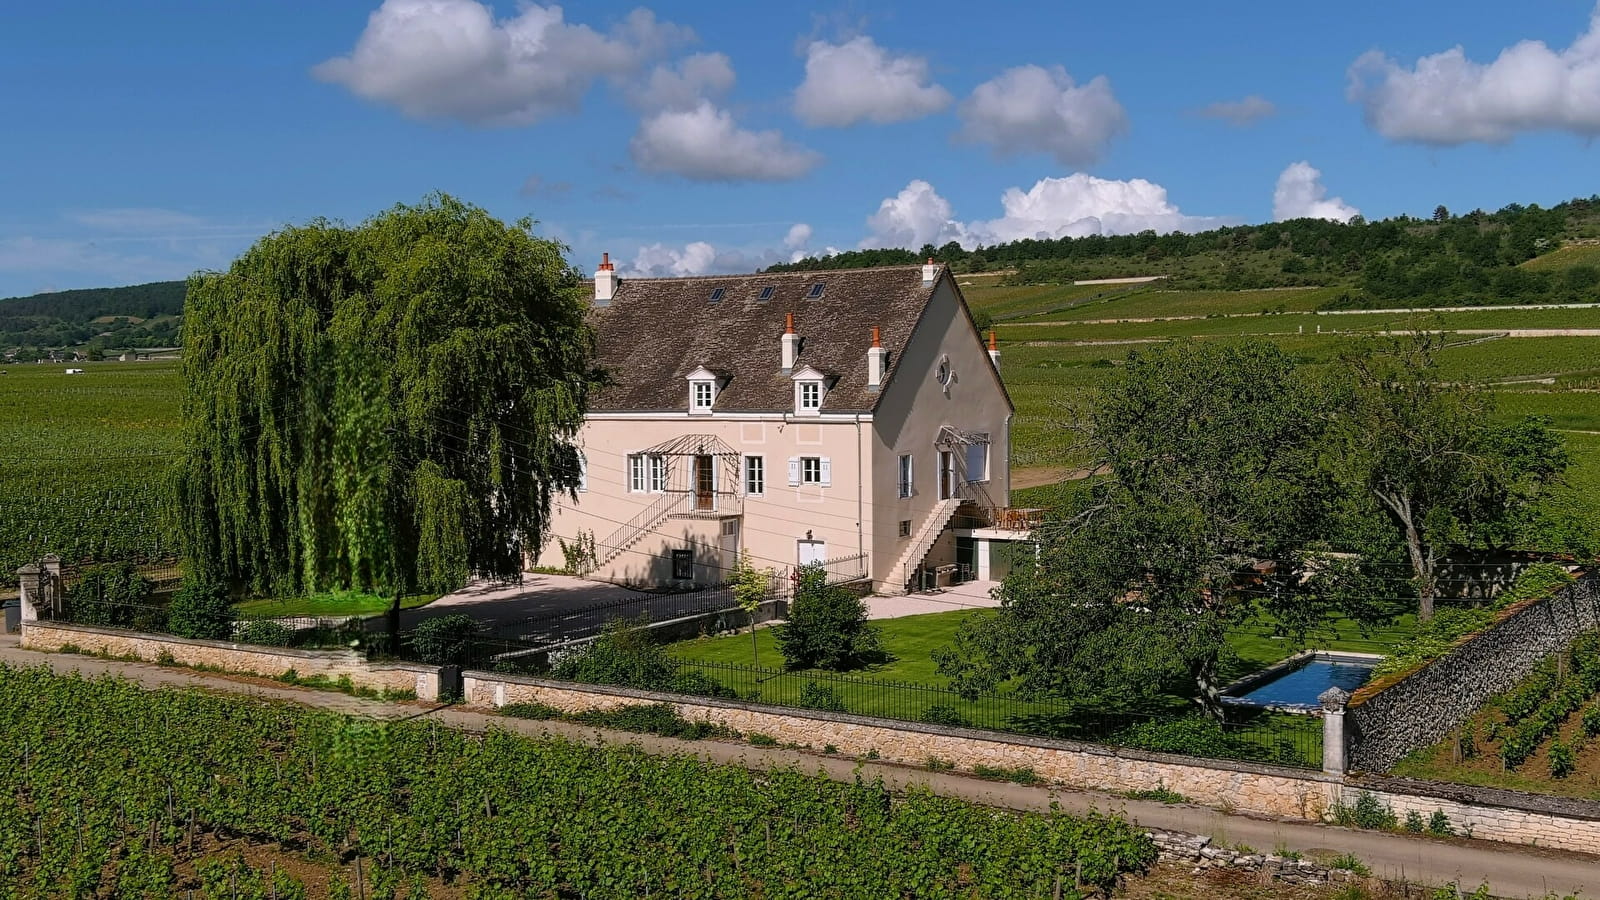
41 588
1333 702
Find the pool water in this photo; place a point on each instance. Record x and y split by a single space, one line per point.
1301 687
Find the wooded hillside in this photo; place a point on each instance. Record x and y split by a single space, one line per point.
1470 259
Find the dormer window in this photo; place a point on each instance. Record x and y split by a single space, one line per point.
703 384
810 386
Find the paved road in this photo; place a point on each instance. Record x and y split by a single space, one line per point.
1510 871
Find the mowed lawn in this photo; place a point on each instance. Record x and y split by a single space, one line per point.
909 642
330 604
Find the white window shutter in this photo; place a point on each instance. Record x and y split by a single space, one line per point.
827 471
794 471
583 472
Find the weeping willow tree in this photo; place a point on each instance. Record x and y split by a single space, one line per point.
383 407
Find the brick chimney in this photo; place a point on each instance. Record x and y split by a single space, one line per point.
791 343
877 362
605 281
994 351
930 272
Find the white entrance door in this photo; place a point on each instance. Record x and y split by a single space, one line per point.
812 552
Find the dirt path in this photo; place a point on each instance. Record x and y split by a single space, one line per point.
1039 476
1510 871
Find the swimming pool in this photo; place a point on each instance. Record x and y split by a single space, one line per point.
1295 684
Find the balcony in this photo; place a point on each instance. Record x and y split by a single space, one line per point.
1005 518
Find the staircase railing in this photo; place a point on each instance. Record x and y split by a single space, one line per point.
629 534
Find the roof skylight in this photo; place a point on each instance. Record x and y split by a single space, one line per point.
716 295
816 291
766 293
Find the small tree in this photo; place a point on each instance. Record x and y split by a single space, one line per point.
624 654
201 610
751 587
443 640
827 626
1443 474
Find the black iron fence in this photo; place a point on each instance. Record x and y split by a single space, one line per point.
1242 734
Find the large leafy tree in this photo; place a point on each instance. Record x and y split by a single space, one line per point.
388 406
1211 509
1440 469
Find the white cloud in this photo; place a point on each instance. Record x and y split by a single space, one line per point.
1300 194
798 237
137 219
915 216
662 261
1447 99
859 81
1075 206
684 85
1240 113
1034 109
453 59
705 144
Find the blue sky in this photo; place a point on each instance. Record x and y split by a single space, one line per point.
144 141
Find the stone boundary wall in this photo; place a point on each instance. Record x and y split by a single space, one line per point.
1385 721
1243 787
1488 813
244 659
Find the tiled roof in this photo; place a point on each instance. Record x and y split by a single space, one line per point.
658 330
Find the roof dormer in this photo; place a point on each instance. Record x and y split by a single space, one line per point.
810 389
704 385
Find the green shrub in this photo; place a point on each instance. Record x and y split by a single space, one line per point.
201 611
1369 812
818 696
625 654
443 640
827 626
1351 863
698 683
1414 823
266 633
649 718
1591 720
1439 824
108 595
758 739
942 714
1563 761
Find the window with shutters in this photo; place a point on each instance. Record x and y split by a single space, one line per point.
755 475
905 475
817 470
810 470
